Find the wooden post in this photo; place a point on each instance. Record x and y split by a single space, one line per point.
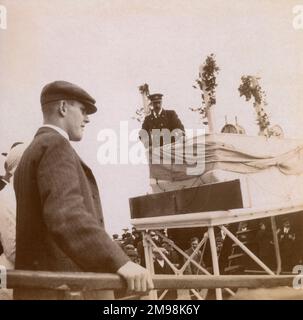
214 256
276 244
209 109
149 261
210 119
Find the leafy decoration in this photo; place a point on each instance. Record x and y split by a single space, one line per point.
139 115
250 88
140 112
144 89
207 84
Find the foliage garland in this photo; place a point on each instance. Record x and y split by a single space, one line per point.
207 84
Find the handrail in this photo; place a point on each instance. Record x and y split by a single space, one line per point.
85 281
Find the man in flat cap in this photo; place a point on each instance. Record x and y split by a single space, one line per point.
160 119
59 217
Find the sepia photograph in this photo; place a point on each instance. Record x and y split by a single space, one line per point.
151 150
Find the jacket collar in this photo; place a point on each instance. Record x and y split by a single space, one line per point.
59 130
161 113
43 130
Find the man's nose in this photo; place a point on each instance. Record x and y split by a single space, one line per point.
86 119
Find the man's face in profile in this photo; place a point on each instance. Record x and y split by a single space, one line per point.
76 120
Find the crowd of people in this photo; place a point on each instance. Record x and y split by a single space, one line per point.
261 243
165 257
132 244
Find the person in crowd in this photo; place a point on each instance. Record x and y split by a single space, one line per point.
117 240
140 250
8 213
287 238
155 238
60 225
162 267
265 246
197 257
127 237
132 253
172 254
137 236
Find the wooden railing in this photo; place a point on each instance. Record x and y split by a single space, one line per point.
71 281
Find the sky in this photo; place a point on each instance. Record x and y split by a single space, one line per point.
111 47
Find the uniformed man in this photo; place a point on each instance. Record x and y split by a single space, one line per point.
157 121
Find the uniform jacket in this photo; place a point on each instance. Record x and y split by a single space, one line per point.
168 119
59 217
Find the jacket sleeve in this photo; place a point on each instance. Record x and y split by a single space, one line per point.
74 229
176 122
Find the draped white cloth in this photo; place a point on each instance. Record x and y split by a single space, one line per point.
270 169
228 152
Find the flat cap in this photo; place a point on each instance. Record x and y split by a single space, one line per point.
63 90
155 97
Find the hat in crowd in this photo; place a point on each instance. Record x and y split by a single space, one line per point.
13 145
13 157
129 247
155 97
285 220
156 251
132 253
63 90
12 160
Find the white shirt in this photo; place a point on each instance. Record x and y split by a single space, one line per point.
59 130
161 263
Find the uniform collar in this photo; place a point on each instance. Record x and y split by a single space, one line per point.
59 130
157 115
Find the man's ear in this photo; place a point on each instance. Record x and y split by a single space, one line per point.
62 108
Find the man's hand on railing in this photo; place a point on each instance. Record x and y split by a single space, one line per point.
138 278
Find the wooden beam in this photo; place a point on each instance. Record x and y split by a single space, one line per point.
101 281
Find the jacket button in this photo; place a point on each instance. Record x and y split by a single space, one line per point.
35 263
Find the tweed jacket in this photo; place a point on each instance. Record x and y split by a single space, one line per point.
59 223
